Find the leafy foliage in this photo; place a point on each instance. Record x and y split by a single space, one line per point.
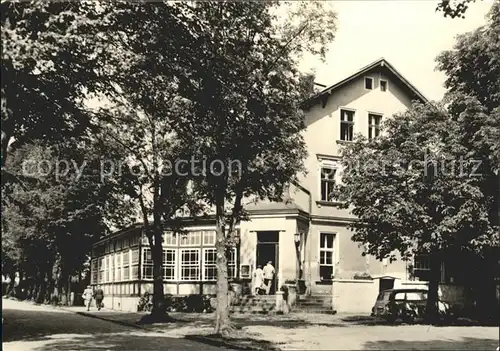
415 188
454 8
52 56
429 183
245 90
52 215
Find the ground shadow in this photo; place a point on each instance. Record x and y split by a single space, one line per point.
463 344
364 320
456 322
27 325
120 341
234 343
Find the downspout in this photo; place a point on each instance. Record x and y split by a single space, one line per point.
307 257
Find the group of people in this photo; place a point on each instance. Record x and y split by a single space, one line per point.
263 279
98 296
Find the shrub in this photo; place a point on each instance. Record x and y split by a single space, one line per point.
189 303
362 276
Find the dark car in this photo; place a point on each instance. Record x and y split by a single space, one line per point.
405 304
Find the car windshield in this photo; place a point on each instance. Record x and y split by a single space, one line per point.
399 296
383 296
416 296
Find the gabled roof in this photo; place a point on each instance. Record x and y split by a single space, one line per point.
382 62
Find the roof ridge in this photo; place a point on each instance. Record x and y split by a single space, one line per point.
382 61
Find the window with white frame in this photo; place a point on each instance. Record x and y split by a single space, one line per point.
231 263
169 260
101 270
374 125
107 272
134 261
111 267
94 270
369 83
209 237
190 264
383 85
326 256
147 263
327 181
118 266
170 239
126 265
422 267
191 238
346 125
209 264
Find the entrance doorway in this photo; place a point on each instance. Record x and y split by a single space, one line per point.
268 250
386 284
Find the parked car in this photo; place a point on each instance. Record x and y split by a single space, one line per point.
405 304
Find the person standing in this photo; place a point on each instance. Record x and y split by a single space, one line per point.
99 296
258 280
87 296
268 276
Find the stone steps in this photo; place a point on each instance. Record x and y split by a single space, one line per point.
314 310
318 303
255 304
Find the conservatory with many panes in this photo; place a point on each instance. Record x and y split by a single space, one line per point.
122 265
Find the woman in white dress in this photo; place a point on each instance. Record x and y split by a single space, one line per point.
258 280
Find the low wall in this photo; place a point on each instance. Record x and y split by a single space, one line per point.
358 296
354 296
125 303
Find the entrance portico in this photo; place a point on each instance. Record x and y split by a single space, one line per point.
270 235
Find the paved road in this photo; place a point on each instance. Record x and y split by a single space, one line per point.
31 327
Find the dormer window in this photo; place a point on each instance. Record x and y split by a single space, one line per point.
383 85
368 83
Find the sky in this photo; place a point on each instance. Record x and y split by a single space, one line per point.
408 34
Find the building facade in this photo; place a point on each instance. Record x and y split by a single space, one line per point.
305 237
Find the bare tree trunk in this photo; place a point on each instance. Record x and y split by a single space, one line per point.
55 282
42 289
432 313
6 137
68 291
159 305
10 286
63 287
154 234
223 323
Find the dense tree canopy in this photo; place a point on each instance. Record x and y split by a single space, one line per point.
54 211
429 183
454 8
53 54
231 95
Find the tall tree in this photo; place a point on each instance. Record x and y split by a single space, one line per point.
146 105
472 68
415 191
53 53
429 184
55 209
243 82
